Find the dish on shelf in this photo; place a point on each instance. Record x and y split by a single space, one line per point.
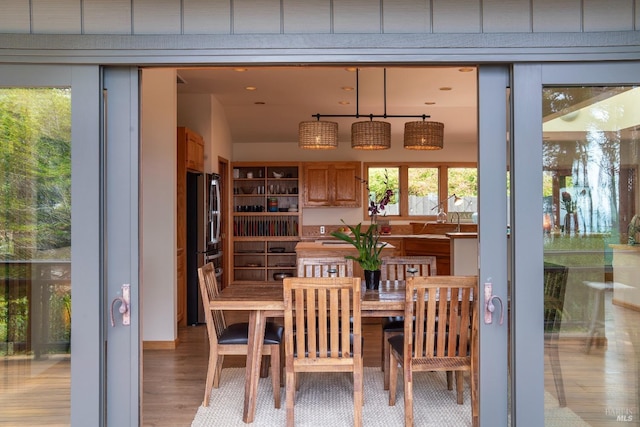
247 190
277 250
278 174
253 264
281 275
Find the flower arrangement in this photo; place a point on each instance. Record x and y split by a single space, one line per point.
367 243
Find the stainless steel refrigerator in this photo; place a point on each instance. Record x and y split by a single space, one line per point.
203 236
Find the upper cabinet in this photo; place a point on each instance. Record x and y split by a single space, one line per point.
194 145
332 184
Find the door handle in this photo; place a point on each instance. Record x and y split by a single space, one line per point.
489 306
125 306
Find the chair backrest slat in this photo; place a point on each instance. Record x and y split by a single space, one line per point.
321 267
208 291
322 309
443 307
396 267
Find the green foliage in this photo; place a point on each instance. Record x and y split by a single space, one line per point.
35 171
366 243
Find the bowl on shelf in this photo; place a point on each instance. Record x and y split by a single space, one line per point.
247 190
281 275
278 174
278 250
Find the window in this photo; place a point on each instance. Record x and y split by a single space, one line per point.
420 188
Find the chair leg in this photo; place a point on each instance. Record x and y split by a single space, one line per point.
460 386
554 359
358 397
393 380
212 370
290 393
275 374
218 371
386 361
408 396
449 380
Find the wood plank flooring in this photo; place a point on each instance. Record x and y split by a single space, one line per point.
598 385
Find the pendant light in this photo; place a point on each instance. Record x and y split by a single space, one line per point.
318 135
370 135
423 135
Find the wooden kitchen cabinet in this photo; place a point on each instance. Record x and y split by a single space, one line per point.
439 247
332 184
194 145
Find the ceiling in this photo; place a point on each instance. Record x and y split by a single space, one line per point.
285 96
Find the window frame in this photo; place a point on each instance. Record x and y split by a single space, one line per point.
403 179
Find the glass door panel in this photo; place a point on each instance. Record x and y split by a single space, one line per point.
35 256
590 227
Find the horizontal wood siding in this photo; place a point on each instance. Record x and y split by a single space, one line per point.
102 18
307 17
461 16
56 17
357 16
156 17
506 16
226 17
557 16
256 17
206 17
15 16
406 16
610 15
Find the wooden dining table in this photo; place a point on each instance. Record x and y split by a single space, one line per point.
265 300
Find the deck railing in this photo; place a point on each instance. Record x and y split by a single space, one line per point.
35 307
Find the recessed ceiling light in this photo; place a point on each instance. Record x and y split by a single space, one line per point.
347 88
240 70
466 69
429 103
344 102
250 88
260 103
445 88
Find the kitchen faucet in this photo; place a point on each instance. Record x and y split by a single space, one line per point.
458 226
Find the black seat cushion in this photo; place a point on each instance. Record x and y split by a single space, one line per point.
393 324
238 333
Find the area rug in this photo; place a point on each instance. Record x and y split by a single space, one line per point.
327 400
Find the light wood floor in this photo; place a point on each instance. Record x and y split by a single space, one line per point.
599 385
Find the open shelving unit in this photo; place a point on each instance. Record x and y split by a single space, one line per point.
266 219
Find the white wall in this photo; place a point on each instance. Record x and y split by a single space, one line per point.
158 192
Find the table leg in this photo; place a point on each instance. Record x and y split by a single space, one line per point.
254 357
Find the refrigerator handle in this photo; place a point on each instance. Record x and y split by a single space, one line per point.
215 210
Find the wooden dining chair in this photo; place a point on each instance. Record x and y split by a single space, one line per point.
325 267
400 268
323 333
232 339
445 322
555 287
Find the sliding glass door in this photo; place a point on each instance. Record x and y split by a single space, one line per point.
577 198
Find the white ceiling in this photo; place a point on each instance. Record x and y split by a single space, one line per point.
293 94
